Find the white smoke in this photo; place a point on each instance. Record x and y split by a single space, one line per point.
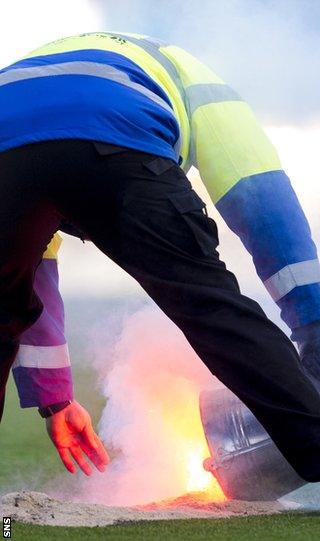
151 379
269 50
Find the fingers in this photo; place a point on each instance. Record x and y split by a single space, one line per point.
88 436
79 458
71 440
64 453
65 457
102 453
101 456
98 456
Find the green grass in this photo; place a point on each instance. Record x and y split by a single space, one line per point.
297 527
28 460
27 456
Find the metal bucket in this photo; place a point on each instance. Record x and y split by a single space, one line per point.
244 459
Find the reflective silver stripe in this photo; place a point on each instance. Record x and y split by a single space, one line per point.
42 357
81 68
291 276
204 94
152 46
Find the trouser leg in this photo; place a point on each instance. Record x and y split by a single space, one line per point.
142 213
160 235
27 223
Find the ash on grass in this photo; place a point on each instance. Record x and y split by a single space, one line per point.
39 508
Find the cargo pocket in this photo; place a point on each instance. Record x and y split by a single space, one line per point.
194 213
108 149
158 165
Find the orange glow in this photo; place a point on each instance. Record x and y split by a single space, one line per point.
199 480
188 437
152 420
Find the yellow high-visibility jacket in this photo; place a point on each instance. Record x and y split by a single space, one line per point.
217 133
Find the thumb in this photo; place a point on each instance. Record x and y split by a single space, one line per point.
89 436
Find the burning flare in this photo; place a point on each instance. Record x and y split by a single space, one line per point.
151 422
190 441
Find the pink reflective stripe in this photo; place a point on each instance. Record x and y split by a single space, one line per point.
42 357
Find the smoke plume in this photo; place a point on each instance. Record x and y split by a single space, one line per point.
151 424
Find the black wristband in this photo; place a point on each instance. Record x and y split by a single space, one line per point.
48 411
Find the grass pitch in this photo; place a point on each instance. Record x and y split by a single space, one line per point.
297 527
28 460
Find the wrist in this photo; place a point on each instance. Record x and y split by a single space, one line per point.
48 411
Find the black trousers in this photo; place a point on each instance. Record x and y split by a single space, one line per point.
141 211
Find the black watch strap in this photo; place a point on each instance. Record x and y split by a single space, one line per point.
48 411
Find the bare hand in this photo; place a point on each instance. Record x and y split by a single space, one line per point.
72 434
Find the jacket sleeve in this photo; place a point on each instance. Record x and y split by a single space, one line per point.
41 370
244 177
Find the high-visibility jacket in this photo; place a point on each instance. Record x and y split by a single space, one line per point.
202 122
